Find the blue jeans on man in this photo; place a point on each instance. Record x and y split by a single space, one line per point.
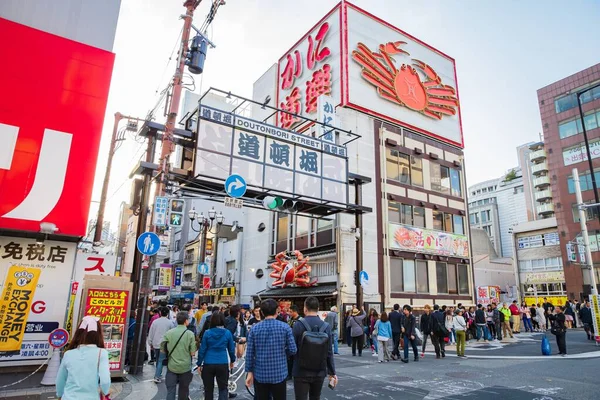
334 335
413 344
159 362
482 328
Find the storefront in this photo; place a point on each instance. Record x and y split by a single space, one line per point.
288 296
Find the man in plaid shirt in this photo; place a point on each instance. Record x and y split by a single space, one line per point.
270 342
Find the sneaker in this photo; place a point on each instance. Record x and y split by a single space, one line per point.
443 354
422 355
404 360
380 361
157 380
416 359
374 354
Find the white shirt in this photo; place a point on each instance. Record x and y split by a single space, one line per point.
459 323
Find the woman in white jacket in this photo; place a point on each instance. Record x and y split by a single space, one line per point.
540 318
460 326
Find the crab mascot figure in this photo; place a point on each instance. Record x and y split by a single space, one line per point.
291 269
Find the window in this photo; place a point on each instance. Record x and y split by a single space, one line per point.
585 180
463 279
445 222
452 282
422 277
591 213
455 183
474 218
459 225
488 230
406 214
446 180
570 101
441 277
419 217
408 273
438 220
282 232
416 171
408 276
448 226
398 168
569 128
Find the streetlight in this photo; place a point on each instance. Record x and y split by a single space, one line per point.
212 224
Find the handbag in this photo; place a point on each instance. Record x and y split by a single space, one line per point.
102 395
165 361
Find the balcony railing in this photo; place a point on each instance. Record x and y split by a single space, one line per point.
543 195
547 208
322 269
537 169
542 181
537 155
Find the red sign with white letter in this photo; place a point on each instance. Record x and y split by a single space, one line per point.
51 117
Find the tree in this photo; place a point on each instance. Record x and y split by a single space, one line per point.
510 176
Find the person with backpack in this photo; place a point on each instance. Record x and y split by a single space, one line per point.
439 331
314 359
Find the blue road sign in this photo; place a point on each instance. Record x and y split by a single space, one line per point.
203 268
148 243
58 338
363 278
235 186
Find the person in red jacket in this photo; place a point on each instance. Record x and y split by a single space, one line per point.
516 317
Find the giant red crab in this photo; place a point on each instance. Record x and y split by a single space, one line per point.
291 269
404 86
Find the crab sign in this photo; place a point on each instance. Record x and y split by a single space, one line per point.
403 85
291 269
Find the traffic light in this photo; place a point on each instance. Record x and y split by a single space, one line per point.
276 203
197 55
176 207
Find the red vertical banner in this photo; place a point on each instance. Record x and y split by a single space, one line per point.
111 307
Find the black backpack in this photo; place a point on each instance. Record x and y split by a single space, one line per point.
313 347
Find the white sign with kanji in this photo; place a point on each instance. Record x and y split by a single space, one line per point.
159 218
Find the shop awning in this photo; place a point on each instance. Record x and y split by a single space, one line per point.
290 292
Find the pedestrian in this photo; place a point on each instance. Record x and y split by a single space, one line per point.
84 368
383 327
489 320
154 315
242 335
314 359
347 332
372 338
283 314
201 311
191 319
408 330
460 327
576 306
533 312
526 316
548 309
569 315
449 323
515 315
505 319
439 332
216 357
498 319
256 318
426 326
355 323
270 342
332 319
560 330
179 345
202 325
130 337
585 313
292 319
540 316
155 339
395 318
481 323
471 327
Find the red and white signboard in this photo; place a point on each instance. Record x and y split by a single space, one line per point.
51 119
365 63
206 282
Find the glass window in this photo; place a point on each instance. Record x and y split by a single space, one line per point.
407 214
565 103
590 121
324 224
459 225
282 227
396 275
463 279
472 218
409 276
302 225
404 168
394 212
452 283
438 220
422 277
441 277
448 223
569 128
435 177
445 179
455 182
392 165
419 217
416 171
485 216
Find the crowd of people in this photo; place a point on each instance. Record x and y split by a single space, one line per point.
277 345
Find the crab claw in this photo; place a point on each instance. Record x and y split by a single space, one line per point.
431 74
393 48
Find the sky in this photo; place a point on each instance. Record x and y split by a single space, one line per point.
504 50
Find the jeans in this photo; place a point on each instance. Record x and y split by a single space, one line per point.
492 328
335 341
159 360
183 380
460 342
375 346
413 343
482 329
267 391
384 353
561 342
308 388
396 338
452 336
527 325
221 373
425 336
357 341
498 328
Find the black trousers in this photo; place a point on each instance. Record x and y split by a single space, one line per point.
396 338
561 342
209 373
358 341
267 391
308 388
439 344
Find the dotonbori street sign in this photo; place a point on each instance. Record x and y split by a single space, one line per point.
270 158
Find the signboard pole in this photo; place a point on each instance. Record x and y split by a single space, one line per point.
584 231
359 244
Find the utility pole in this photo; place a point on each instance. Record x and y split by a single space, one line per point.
167 142
584 231
359 243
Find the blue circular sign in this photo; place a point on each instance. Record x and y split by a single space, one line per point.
148 243
203 269
235 186
58 338
363 278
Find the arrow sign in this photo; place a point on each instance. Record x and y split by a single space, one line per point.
235 186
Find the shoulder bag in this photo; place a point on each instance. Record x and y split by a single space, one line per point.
102 395
167 352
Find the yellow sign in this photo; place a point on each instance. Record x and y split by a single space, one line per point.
555 300
69 323
595 315
165 276
227 291
19 289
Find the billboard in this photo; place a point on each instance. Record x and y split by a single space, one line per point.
270 158
50 127
412 238
365 63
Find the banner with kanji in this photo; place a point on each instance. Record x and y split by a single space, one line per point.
19 288
111 307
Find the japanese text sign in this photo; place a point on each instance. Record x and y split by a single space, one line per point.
595 315
270 158
19 290
326 112
165 277
404 237
111 307
178 276
159 218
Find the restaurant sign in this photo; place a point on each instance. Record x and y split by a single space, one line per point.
411 238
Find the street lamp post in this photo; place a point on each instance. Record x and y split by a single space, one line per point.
211 224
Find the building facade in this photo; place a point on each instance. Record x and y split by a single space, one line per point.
564 150
542 193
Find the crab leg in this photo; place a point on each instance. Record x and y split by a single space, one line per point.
443 110
432 114
431 74
447 92
389 96
443 102
372 62
387 59
372 71
377 83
